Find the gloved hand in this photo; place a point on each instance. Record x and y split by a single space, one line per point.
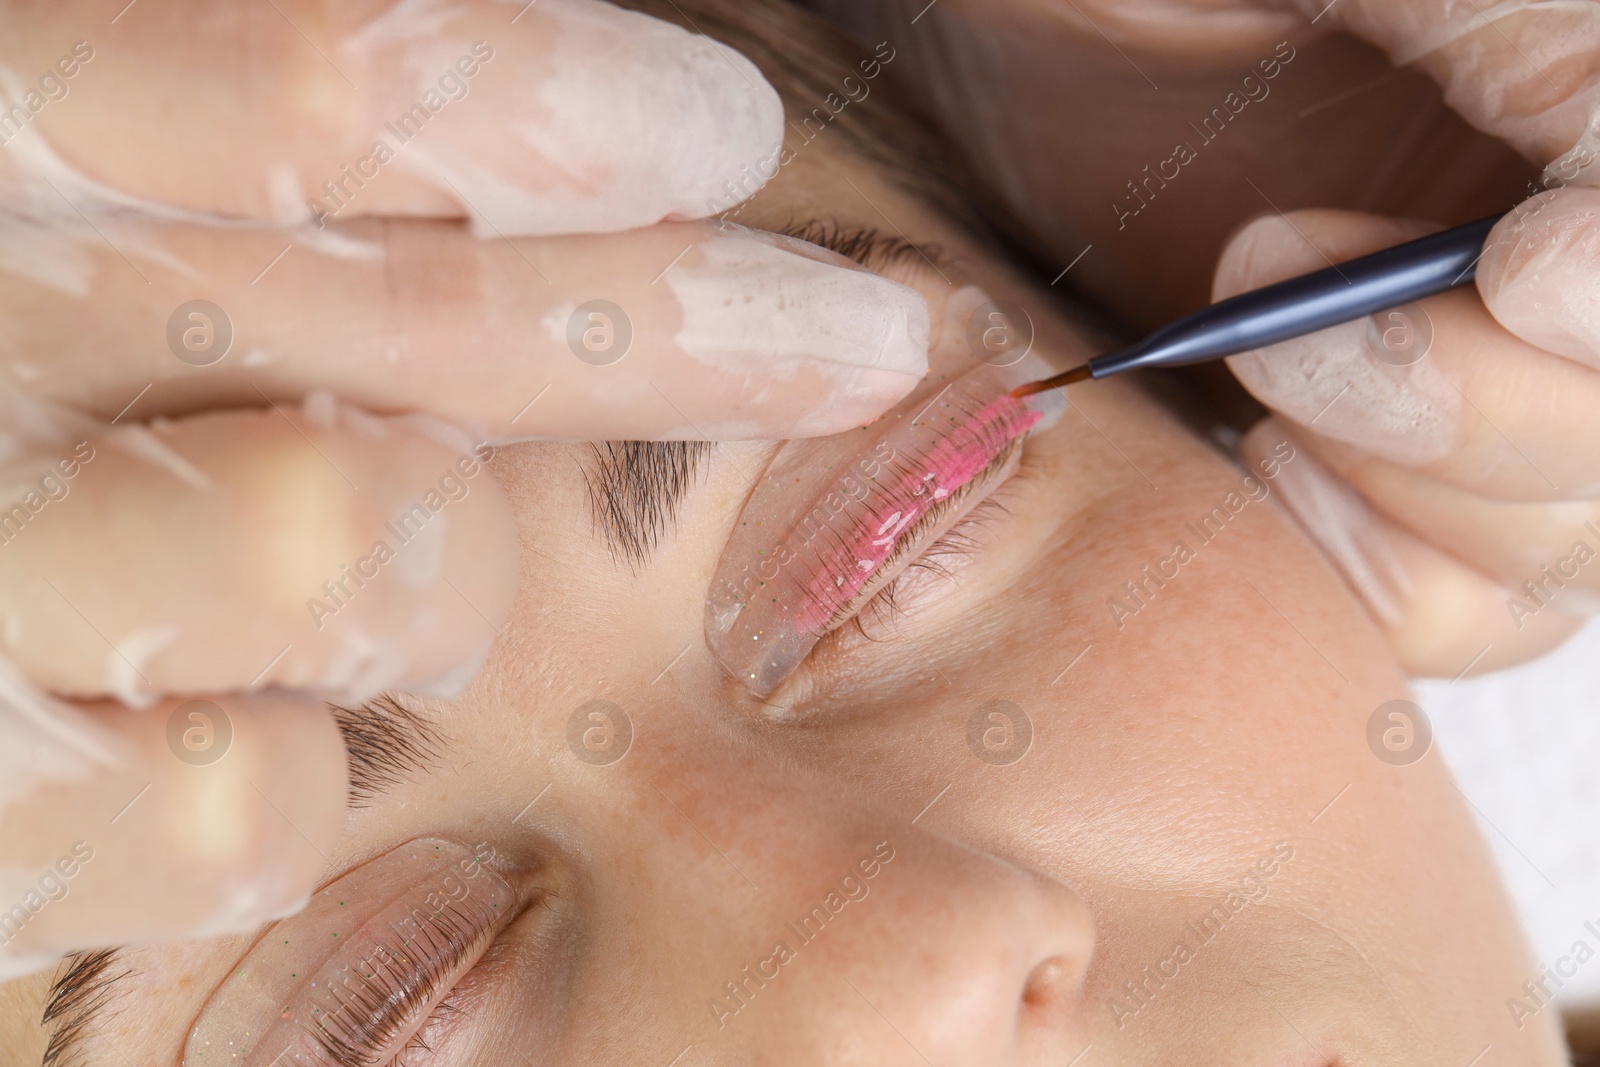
1452 467
273 278
1474 522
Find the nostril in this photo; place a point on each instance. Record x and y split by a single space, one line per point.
1048 984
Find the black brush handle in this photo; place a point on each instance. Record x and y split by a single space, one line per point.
1311 302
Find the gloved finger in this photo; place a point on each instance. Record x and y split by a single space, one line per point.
189 819
562 116
1540 551
1439 386
312 549
1442 617
1526 71
682 330
1539 273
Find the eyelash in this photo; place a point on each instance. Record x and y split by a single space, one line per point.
949 544
377 1010
958 542
875 251
869 247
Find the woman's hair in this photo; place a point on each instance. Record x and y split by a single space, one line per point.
808 62
1583 1037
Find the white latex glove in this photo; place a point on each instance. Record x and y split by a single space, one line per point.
214 220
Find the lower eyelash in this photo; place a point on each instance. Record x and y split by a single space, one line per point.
445 1009
958 542
372 1012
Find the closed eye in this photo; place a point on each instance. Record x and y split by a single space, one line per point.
944 531
960 542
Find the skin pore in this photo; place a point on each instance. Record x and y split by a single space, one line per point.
1203 748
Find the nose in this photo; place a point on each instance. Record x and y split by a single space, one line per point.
971 961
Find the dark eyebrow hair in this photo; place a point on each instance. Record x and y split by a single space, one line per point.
635 488
82 990
386 742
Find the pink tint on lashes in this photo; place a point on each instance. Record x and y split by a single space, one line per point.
953 462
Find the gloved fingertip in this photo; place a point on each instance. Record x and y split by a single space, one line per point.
1254 252
218 815
1536 274
1279 245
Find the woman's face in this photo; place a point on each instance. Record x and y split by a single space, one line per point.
1025 813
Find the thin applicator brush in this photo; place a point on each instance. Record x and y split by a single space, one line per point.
1298 306
1069 377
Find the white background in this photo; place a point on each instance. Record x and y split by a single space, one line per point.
1525 747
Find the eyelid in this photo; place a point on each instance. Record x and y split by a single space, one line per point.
929 533
323 988
806 545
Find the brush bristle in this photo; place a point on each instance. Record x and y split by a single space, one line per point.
1076 374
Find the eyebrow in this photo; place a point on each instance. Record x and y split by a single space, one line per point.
80 993
635 488
385 743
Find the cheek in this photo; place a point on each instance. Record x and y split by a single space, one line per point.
1202 725
1189 715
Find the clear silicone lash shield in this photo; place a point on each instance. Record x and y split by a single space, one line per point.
825 521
